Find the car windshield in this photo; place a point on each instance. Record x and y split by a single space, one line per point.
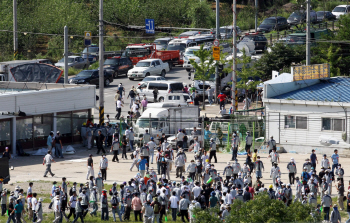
339 9
224 30
190 52
320 13
160 42
111 62
296 15
85 73
269 22
70 60
177 46
143 64
149 79
91 50
144 122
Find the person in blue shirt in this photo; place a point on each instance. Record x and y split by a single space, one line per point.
49 141
313 159
335 160
142 163
18 210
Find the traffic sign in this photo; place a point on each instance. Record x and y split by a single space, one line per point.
87 38
149 23
216 42
216 53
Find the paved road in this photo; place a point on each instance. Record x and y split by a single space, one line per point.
176 74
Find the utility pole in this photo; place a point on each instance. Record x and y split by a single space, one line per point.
101 71
234 56
15 35
308 32
217 79
66 55
256 15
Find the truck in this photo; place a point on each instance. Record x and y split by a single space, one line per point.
8 69
165 118
148 67
137 52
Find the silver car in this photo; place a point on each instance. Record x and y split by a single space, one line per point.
74 61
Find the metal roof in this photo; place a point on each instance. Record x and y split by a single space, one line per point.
330 89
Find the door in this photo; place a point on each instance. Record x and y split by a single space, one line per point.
158 67
153 69
122 66
94 78
274 120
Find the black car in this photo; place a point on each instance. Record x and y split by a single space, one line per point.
325 15
91 77
273 23
259 40
117 66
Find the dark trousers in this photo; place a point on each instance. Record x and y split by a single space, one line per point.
291 178
235 175
314 165
127 213
213 154
100 147
147 158
11 217
334 166
162 213
18 217
104 174
71 212
104 214
184 214
155 97
173 213
179 170
119 111
79 215
3 209
222 104
192 175
109 140
158 167
124 153
138 213
228 178
85 209
326 211
234 154
247 147
115 157
35 218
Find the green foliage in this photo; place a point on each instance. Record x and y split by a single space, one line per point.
94 66
262 209
246 73
204 68
328 55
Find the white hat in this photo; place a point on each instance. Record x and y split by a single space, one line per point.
228 163
292 158
57 196
58 132
114 182
40 199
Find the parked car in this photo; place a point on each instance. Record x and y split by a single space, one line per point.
148 67
162 86
273 23
91 77
162 43
74 61
152 78
341 10
259 40
188 34
226 32
325 15
117 66
179 98
299 17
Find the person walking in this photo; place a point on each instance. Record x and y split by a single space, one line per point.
275 157
99 141
93 201
89 136
335 160
174 203
132 95
148 212
119 106
144 103
47 160
183 208
271 145
292 169
78 211
90 166
124 143
39 211
179 164
212 149
3 199
58 145
57 208
274 174
258 167
313 159
222 97
210 95
72 204
335 215
152 146
115 149
142 163
136 206
155 94
234 148
340 189
104 206
104 166
248 141
327 203
49 141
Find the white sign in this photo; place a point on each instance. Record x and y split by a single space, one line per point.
216 43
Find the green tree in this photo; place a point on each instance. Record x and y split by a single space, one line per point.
204 68
328 55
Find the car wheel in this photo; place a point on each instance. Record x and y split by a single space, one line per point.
161 99
147 75
115 75
131 79
163 73
107 82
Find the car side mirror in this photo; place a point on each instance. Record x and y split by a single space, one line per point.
152 65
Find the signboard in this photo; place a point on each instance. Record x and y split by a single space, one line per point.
149 23
216 53
315 71
216 43
87 38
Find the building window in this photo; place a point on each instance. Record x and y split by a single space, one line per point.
64 126
5 134
79 118
24 132
295 122
333 124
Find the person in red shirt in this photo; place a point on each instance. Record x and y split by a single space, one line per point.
251 190
146 178
222 97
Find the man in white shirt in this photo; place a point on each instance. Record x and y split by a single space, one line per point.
229 198
57 208
119 109
174 203
34 203
47 160
179 138
151 145
196 190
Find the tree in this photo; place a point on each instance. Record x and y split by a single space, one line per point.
204 68
329 55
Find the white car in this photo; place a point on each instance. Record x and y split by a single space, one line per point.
145 68
152 78
182 99
341 10
189 55
74 61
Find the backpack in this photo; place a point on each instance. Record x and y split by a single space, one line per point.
114 201
306 189
156 207
132 156
71 191
110 192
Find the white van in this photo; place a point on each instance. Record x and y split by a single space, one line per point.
341 10
162 86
